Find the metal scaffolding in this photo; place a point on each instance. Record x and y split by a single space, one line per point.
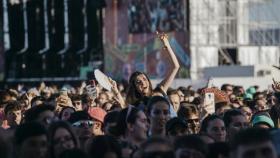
230 25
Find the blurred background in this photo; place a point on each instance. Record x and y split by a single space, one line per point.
236 41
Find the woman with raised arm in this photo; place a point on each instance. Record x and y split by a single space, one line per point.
140 87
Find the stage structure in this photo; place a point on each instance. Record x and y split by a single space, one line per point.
229 32
50 38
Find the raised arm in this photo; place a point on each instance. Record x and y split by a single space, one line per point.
170 75
117 95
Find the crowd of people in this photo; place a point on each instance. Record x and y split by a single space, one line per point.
148 16
139 121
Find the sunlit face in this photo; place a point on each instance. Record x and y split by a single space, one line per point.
229 90
142 85
247 112
175 101
181 95
193 123
62 141
216 129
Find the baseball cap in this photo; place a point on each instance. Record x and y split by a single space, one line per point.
97 113
262 119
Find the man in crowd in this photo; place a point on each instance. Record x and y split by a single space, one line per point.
13 113
252 143
234 122
31 141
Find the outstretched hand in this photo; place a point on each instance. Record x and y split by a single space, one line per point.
118 97
114 85
164 38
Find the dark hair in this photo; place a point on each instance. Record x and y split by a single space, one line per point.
275 114
100 145
186 110
78 116
224 86
76 97
52 130
111 117
27 130
256 94
159 90
33 113
191 142
73 153
154 100
12 106
205 122
132 94
127 115
228 116
155 140
172 92
37 98
196 101
63 109
181 88
218 148
249 136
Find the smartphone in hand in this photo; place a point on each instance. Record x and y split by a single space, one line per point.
90 89
209 102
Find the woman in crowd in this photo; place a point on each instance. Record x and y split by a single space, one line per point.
133 126
140 85
214 126
61 138
159 113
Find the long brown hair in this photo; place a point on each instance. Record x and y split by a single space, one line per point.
133 95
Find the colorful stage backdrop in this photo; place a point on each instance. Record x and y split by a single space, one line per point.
130 40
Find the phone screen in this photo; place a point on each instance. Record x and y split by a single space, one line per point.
209 102
91 88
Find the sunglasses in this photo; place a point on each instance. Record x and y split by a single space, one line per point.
83 124
192 121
